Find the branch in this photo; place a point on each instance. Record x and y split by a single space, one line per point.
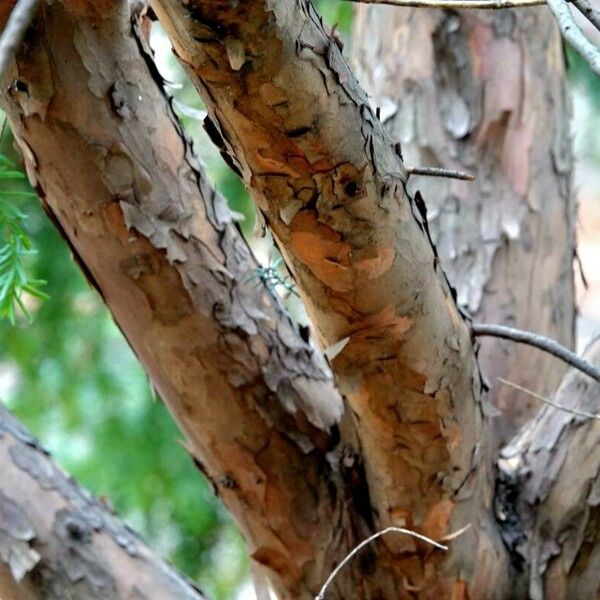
435 172
286 109
58 541
18 22
537 341
551 476
573 34
456 4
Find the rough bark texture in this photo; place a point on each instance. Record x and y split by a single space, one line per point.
286 109
113 168
485 92
57 541
550 501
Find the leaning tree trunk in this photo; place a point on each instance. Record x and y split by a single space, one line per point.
485 92
118 177
58 541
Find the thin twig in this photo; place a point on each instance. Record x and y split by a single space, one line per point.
537 341
360 546
436 172
13 33
487 4
573 411
573 34
586 9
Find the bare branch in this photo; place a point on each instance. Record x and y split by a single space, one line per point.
537 341
573 34
436 172
15 29
485 4
370 539
586 9
573 411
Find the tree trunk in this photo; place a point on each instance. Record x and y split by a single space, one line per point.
485 92
58 541
255 400
114 170
299 129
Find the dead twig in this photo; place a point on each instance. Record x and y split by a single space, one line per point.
360 546
454 4
12 36
437 172
573 411
537 341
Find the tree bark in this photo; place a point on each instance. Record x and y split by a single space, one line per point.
58 541
550 500
288 112
485 92
114 170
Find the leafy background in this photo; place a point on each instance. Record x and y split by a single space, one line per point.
72 379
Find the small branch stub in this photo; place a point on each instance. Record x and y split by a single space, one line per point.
437 172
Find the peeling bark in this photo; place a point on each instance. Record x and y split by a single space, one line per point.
551 494
58 541
285 108
485 92
256 402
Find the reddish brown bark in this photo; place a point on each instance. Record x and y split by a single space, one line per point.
297 126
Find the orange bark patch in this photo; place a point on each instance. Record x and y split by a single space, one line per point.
322 250
460 590
435 525
371 268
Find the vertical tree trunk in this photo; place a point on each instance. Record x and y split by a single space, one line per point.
485 92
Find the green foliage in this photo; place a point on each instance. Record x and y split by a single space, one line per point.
338 13
15 245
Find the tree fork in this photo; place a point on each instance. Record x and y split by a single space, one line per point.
58 541
300 131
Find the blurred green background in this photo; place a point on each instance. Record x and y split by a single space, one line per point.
72 379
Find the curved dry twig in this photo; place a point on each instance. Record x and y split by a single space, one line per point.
360 546
537 341
15 29
484 4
